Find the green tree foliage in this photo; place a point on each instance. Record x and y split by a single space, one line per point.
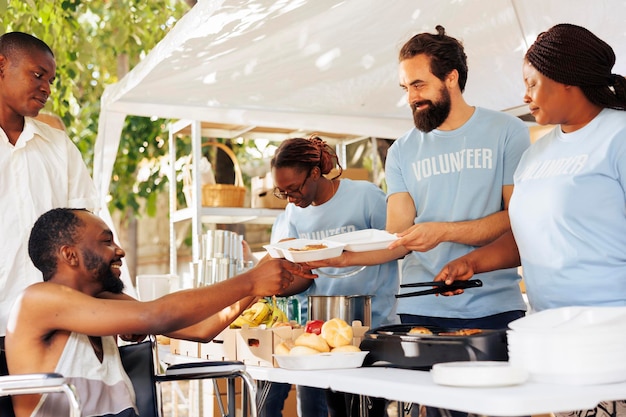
95 43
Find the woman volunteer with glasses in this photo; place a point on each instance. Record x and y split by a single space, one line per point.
321 207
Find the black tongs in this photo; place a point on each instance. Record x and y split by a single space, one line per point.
441 287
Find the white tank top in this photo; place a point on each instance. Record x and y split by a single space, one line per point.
103 388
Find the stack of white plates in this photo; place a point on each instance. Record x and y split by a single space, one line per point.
571 345
477 374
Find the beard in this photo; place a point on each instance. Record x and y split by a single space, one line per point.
434 115
102 271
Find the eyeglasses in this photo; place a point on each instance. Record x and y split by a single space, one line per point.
283 195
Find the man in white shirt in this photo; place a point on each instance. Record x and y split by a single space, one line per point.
40 167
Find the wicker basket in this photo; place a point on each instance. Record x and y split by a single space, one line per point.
218 195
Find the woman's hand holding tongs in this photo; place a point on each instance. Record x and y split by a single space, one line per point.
457 270
440 287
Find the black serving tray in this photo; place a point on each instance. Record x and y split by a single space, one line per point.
393 346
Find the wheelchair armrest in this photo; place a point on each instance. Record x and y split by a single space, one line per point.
29 381
41 383
214 369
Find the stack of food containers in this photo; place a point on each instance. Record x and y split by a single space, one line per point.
221 257
571 345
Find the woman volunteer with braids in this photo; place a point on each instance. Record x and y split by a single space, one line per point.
568 210
322 207
319 208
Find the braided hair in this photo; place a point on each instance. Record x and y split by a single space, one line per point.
306 154
445 52
572 55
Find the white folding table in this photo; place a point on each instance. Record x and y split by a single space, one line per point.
411 386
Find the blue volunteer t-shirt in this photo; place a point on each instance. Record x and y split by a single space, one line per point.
568 215
357 205
456 176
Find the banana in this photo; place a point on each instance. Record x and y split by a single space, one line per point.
252 316
278 316
248 316
259 313
240 322
268 319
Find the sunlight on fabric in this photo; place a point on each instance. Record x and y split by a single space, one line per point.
325 61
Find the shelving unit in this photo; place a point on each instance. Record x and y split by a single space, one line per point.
196 213
228 215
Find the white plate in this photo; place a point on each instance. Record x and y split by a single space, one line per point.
478 374
572 319
284 250
364 240
584 378
339 360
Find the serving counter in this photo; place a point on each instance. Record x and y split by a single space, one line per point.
411 386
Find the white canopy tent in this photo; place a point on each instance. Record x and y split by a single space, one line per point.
329 66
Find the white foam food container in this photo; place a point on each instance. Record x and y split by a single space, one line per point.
579 345
572 319
364 240
292 250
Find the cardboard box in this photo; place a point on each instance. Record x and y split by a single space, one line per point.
224 399
174 346
262 193
185 348
255 346
221 348
358 331
290 406
252 346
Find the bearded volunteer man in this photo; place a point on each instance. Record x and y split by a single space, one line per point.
64 325
449 182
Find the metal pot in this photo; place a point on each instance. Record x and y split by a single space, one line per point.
346 307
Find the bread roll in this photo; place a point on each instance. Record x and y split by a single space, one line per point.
337 332
303 350
284 347
420 330
345 348
313 341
